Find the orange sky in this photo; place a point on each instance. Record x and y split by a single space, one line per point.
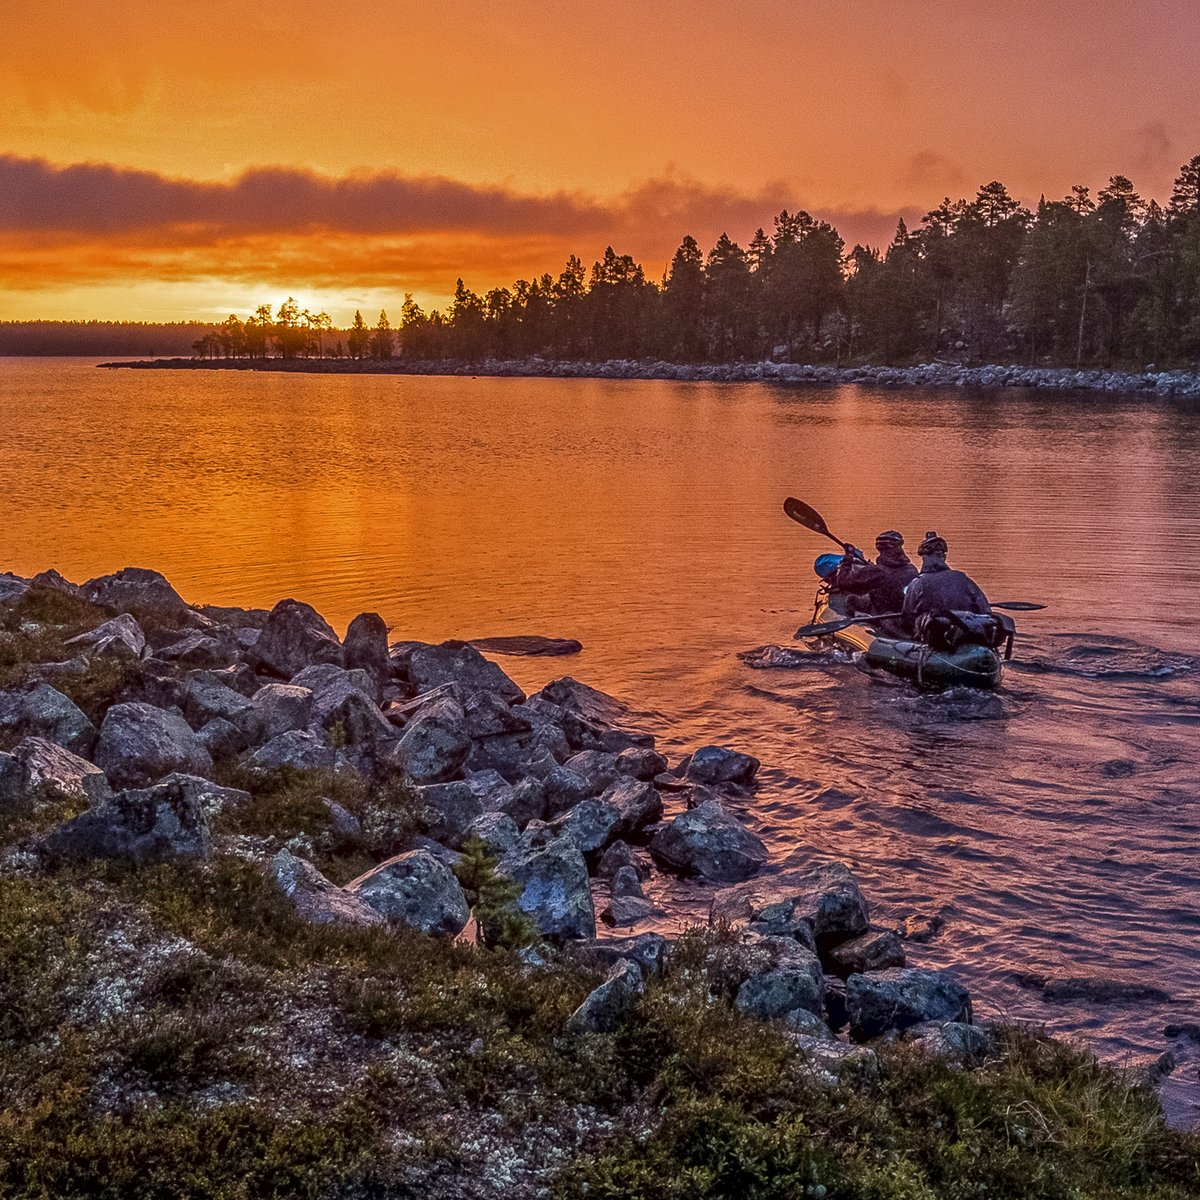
417 141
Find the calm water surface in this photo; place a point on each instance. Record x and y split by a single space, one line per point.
1055 827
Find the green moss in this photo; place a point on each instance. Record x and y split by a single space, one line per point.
35 629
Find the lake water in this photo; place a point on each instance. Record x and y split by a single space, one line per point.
1054 827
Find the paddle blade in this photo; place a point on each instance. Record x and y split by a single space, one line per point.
1019 606
823 629
805 515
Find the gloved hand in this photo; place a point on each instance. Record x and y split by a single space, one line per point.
854 553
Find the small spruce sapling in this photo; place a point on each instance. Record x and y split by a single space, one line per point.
493 899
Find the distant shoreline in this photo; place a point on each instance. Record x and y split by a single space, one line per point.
937 374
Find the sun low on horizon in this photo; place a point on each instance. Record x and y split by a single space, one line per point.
173 164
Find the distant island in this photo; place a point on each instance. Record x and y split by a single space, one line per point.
1111 283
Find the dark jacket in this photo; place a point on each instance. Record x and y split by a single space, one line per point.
939 590
878 587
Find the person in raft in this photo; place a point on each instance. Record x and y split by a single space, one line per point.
943 607
875 587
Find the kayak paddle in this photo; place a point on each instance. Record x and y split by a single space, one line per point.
828 627
806 515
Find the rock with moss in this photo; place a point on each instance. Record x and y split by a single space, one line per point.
555 891
607 1006
795 981
295 636
901 997
415 889
709 841
39 710
139 743
140 592
120 638
142 825
496 830
314 898
457 662
648 950
40 772
434 744
297 749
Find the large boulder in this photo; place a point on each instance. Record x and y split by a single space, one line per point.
120 638
296 636
452 807
144 825
496 830
638 804
38 710
346 710
604 1008
710 842
276 708
490 715
202 651
590 719
875 950
641 762
205 699
314 898
794 982
830 899
901 997
39 771
714 765
139 592
563 789
591 824
140 743
555 891
298 749
365 647
415 889
435 743
597 768
457 662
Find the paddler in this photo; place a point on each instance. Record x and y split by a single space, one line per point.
940 603
876 587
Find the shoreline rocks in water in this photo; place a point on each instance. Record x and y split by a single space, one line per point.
935 374
235 816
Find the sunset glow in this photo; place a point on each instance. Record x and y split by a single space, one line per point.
161 163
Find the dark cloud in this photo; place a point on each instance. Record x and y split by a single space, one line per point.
1154 148
927 168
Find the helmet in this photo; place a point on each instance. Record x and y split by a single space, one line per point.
932 545
889 537
826 564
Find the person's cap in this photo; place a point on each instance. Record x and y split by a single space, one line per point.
932 544
889 537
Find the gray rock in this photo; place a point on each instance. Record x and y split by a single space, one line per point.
151 824
202 651
140 743
607 1006
55 582
496 830
415 889
648 950
795 982
597 768
120 638
829 1062
221 738
490 715
435 743
40 771
590 719
831 900
637 803
564 789
212 798
38 710
296 636
954 1041
641 763
454 806
347 709
624 911
322 675
591 824
457 662
903 996
314 898
205 699
555 891
12 588
619 855
710 842
235 618
714 765
341 820
527 802
492 789
240 677
298 749
140 592
276 708
626 882
784 918
801 1020
875 950
365 647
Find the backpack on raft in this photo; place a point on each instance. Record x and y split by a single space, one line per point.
949 631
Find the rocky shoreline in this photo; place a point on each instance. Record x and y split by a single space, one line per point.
1180 383
331 819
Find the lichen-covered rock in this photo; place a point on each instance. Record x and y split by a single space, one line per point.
496 830
624 911
954 1041
637 803
597 768
120 638
143 825
454 806
298 749
903 996
564 789
648 950
435 743
801 1020
40 771
490 714
210 650
591 824
875 950
829 898
140 592
139 743
457 662
212 798
794 982
39 710
641 762
319 676
314 898
711 842
346 709
365 648
221 738
296 636
715 765
607 1006
276 708
415 889
620 855
205 699
555 891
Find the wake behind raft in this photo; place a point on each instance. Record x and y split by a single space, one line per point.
969 665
